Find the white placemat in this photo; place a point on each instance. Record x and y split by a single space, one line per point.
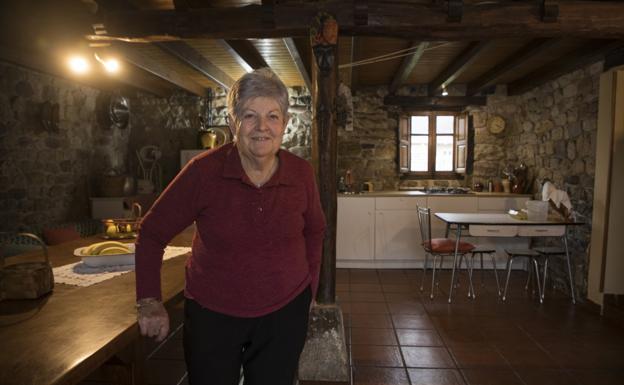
79 274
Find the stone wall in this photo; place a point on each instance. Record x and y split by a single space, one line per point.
48 174
552 129
45 172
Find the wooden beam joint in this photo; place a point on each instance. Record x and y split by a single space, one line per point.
550 12
455 11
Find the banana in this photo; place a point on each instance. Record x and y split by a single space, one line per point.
96 248
114 250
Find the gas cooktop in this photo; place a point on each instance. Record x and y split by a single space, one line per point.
440 190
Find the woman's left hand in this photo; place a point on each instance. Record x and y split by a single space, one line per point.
153 318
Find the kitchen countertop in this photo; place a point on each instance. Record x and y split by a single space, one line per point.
412 193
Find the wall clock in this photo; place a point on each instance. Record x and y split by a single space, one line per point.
496 124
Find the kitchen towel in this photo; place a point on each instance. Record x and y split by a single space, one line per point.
558 197
79 274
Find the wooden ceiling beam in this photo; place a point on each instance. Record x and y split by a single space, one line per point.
196 60
531 50
245 53
588 19
294 54
155 68
586 55
457 66
407 66
434 102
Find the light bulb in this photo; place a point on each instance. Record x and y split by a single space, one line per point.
78 64
444 92
111 65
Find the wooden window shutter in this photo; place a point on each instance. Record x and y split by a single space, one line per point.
404 144
461 143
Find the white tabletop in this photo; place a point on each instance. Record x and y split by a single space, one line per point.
495 219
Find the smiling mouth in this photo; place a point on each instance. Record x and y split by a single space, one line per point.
261 139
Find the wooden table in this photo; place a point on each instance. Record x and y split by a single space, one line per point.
503 225
62 337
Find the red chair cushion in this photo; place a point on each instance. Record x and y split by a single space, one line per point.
60 235
446 245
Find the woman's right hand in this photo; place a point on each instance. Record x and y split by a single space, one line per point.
153 318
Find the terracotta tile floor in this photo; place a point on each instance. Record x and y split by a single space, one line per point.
396 335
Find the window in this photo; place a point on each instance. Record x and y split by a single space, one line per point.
433 145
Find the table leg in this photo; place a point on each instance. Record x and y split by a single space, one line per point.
567 253
450 298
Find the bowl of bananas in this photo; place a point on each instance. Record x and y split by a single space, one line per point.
107 253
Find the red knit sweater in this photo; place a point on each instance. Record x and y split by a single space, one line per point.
255 249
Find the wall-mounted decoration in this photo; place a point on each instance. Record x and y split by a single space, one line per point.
119 111
50 116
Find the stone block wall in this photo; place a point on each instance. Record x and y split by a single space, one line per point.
370 150
47 175
552 129
45 172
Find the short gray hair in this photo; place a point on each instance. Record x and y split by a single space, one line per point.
260 83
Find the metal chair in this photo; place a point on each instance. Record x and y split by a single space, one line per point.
480 250
438 248
532 256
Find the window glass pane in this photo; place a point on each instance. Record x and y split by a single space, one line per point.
420 125
444 124
419 153
444 153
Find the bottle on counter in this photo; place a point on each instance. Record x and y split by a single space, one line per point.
490 186
342 187
349 180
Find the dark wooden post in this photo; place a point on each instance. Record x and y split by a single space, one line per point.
324 39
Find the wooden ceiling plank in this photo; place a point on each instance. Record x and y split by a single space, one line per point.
294 53
244 52
529 51
407 66
196 60
135 57
457 66
400 19
586 55
437 102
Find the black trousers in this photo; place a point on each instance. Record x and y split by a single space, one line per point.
267 347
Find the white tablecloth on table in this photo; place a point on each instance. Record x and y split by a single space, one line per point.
79 274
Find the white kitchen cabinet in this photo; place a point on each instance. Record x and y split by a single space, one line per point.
355 228
397 233
448 204
383 231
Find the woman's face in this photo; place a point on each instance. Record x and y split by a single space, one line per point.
260 128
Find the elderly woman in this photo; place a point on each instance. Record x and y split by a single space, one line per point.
255 260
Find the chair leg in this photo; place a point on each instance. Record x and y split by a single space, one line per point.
481 257
544 282
422 281
537 279
567 255
471 290
498 290
458 267
509 263
433 271
529 276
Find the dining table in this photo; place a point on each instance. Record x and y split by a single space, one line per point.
64 336
506 225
